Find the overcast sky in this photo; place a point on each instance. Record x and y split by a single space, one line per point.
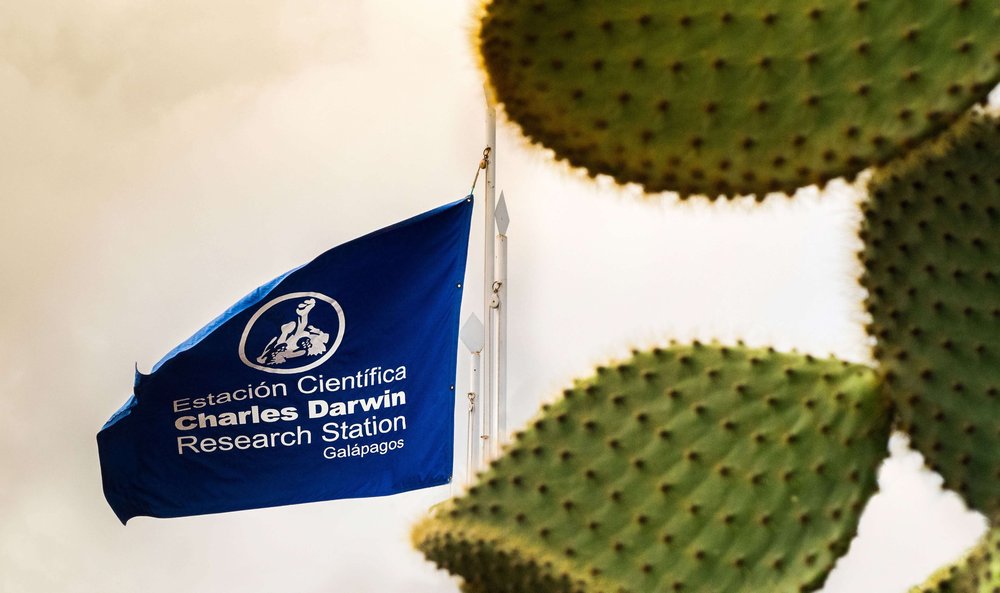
154 156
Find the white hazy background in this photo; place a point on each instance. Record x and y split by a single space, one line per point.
159 159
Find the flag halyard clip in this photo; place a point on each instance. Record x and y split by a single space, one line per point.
483 163
495 299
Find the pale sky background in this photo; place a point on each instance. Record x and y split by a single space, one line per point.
155 156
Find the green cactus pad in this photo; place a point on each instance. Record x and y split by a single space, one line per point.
729 96
695 469
977 572
932 260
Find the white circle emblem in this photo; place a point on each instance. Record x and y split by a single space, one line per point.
296 339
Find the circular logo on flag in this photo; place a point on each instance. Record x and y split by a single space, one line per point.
293 333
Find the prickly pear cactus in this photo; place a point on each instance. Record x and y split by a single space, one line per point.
729 96
695 468
977 572
932 260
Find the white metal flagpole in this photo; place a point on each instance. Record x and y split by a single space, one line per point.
500 311
472 445
489 203
473 338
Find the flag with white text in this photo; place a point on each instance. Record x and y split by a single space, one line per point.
334 380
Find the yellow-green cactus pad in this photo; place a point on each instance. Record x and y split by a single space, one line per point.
977 572
699 469
729 96
932 269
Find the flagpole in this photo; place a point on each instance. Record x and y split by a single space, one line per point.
474 339
500 309
489 204
472 444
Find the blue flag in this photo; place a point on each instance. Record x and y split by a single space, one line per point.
334 380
